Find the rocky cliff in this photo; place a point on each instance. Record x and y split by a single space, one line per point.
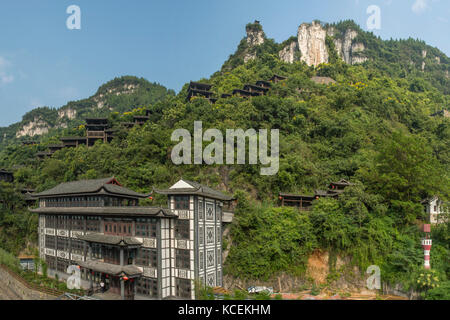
255 37
311 46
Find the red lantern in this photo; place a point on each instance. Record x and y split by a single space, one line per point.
151 198
125 278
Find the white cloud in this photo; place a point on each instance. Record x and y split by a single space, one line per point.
5 77
419 6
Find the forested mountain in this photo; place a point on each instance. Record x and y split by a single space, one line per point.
118 95
372 126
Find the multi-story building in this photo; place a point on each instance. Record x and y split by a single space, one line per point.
143 252
435 209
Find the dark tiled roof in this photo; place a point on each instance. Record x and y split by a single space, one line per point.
112 269
342 182
275 76
89 186
109 239
289 195
322 193
203 86
198 189
109 211
252 86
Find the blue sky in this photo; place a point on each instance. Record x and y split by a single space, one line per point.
166 41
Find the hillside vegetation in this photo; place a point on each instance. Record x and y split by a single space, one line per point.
373 128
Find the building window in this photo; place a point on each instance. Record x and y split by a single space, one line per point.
146 228
201 210
182 228
77 223
210 258
93 224
63 222
218 212
62 265
201 236
219 257
219 278
209 211
111 255
50 242
63 244
218 235
181 202
51 262
147 258
147 287
183 288
183 259
50 222
118 228
77 247
202 260
97 251
209 235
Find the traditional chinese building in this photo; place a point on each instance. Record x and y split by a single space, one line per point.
142 252
6 176
256 89
244 93
197 89
97 129
442 113
73 142
263 84
323 80
276 78
304 202
435 209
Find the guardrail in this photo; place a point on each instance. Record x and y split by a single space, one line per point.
32 286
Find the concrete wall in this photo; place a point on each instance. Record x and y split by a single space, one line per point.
13 289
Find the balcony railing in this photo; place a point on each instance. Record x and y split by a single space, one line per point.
96 134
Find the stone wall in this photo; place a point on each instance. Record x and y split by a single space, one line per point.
13 289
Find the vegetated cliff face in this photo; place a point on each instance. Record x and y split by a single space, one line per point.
312 47
125 89
33 128
289 53
312 44
68 113
346 47
255 37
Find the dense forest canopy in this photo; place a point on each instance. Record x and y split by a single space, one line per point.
372 127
